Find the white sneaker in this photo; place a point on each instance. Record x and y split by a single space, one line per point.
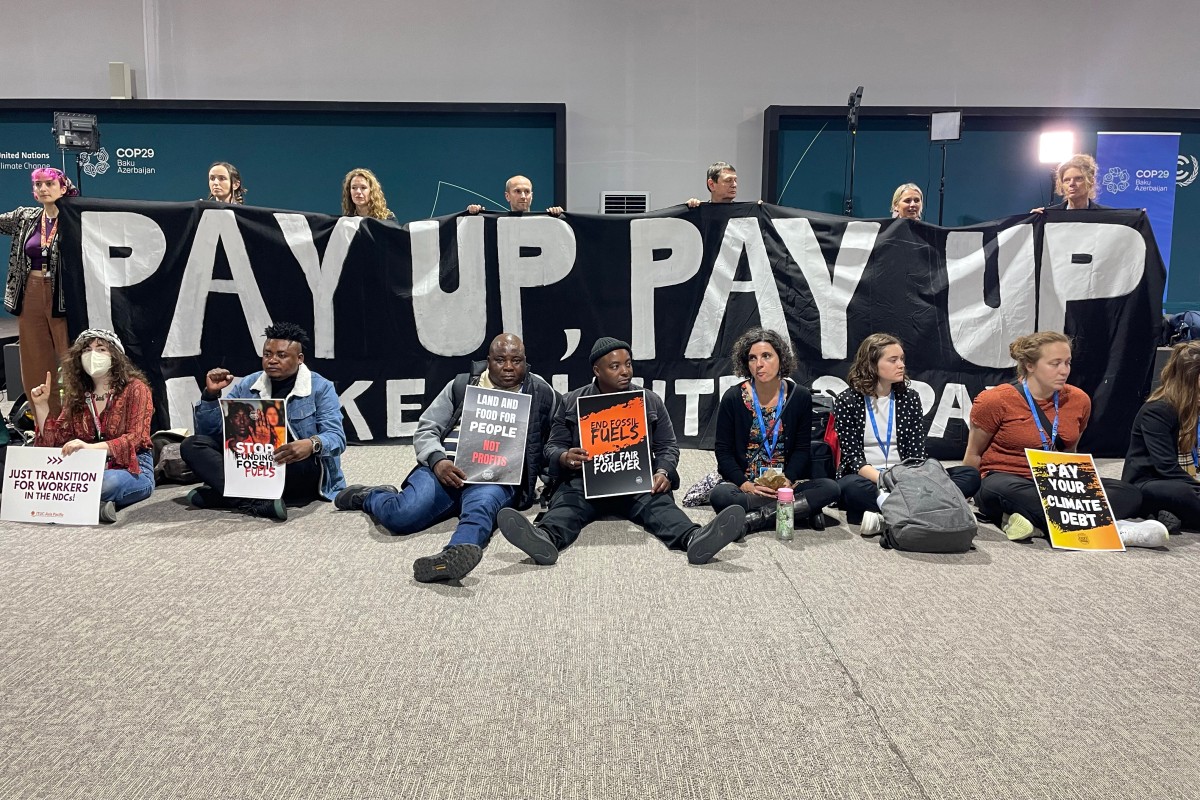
872 524
1142 533
1017 528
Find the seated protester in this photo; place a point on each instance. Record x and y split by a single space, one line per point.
435 489
765 423
1039 409
655 510
1163 459
314 427
879 392
106 406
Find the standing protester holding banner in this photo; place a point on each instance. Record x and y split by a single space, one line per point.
721 180
764 424
362 196
34 291
518 191
313 454
1164 449
879 392
1039 410
908 202
436 489
225 183
655 510
1075 182
106 406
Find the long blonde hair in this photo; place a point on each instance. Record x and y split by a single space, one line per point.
1180 386
376 202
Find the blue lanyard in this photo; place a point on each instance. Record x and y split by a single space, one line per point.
769 449
886 444
1195 454
1046 445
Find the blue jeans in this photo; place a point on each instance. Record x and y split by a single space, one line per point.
124 488
423 502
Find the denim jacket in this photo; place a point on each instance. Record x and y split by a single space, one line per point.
313 409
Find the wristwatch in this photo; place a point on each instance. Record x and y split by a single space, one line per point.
316 444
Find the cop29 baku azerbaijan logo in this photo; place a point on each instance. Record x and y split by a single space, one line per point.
1116 180
97 167
1186 170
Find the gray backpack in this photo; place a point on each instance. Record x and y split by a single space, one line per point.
925 512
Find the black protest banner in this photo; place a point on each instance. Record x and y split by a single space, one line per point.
491 440
613 431
396 311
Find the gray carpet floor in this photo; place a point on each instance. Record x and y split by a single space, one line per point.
198 654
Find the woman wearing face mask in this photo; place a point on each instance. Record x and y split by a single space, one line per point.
34 292
106 406
225 183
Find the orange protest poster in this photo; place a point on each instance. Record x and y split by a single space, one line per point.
612 429
1078 516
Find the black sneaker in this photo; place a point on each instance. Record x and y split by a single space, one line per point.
352 497
108 512
726 527
1172 523
527 537
206 497
267 509
451 564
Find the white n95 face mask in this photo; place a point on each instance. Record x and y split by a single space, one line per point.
95 363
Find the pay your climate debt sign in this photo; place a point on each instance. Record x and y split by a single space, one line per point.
1078 516
396 311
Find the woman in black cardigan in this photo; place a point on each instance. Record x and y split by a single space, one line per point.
1163 457
765 422
878 381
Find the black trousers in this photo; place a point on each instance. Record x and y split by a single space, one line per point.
858 493
1181 498
206 457
569 511
1001 493
819 493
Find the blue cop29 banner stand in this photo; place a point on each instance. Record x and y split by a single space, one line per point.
1137 170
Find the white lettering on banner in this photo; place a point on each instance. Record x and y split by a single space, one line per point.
182 396
556 241
396 392
686 247
691 389
102 233
831 292
830 385
741 235
955 404
979 332
925 392
449 323
347 398
322 277
217 227
1117 263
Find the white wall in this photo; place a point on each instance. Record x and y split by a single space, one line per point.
655 90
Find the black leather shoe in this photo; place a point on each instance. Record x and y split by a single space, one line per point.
761 519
